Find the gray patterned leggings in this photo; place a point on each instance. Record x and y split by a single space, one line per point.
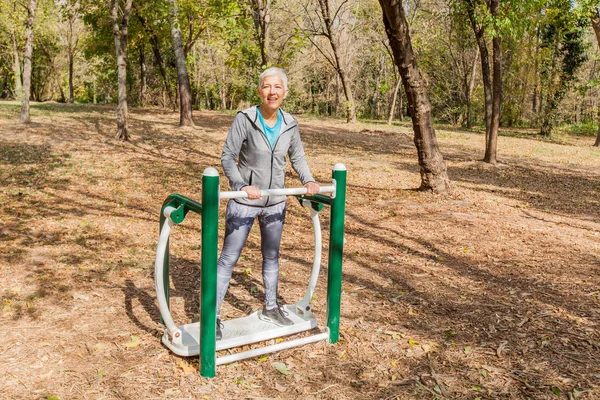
239 219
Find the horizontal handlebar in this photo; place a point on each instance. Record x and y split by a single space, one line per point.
275 192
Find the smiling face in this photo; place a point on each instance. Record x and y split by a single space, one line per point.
272 92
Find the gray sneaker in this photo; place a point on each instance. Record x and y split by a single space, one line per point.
277 316
219 334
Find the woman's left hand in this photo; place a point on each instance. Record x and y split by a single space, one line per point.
312 188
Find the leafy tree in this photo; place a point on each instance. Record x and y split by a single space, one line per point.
564 52
71 35
119 15
433 168
591 8
484 19
154 22
261 14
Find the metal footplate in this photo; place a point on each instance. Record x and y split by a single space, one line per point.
246 330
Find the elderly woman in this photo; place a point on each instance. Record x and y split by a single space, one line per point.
254 158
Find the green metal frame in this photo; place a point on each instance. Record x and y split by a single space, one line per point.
209 211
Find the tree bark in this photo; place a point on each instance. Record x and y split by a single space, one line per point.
341 72
485 66
596 26
143 80
434 176
120 33
393 107
185 93
261 13
25 117
492 91
17 68
491 148
597 143
155 44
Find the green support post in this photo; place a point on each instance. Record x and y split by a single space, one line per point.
208 300
336 250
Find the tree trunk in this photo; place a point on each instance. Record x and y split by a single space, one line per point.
596 26
333 41
120 36
143 81
261 13
25 117
62 98
597 144
185 93
492 92
223 91
469 93
71 55
17 68
534 103
434 176
94 91
393 107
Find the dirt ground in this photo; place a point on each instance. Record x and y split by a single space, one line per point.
490 292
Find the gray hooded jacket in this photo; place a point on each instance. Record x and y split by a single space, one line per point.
249 159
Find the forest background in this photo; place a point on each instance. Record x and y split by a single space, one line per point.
489 291
336 53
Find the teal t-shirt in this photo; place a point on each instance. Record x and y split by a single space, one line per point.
271 133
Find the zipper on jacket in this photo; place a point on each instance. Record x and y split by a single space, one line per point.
273 157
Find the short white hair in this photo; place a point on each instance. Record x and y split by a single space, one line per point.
273 71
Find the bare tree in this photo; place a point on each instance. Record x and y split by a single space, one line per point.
434 176
329 26
261 13
143 73
18 88
185 93
120 28
25 117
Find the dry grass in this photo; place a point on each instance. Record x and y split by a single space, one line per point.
489 292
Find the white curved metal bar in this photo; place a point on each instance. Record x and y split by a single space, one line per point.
273 348
304 305
161 250
274 192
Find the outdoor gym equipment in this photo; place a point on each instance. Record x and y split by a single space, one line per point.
200 337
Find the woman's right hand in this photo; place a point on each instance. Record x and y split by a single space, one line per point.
253 192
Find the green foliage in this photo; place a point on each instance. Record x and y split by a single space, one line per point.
543 56
583 129
564 51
